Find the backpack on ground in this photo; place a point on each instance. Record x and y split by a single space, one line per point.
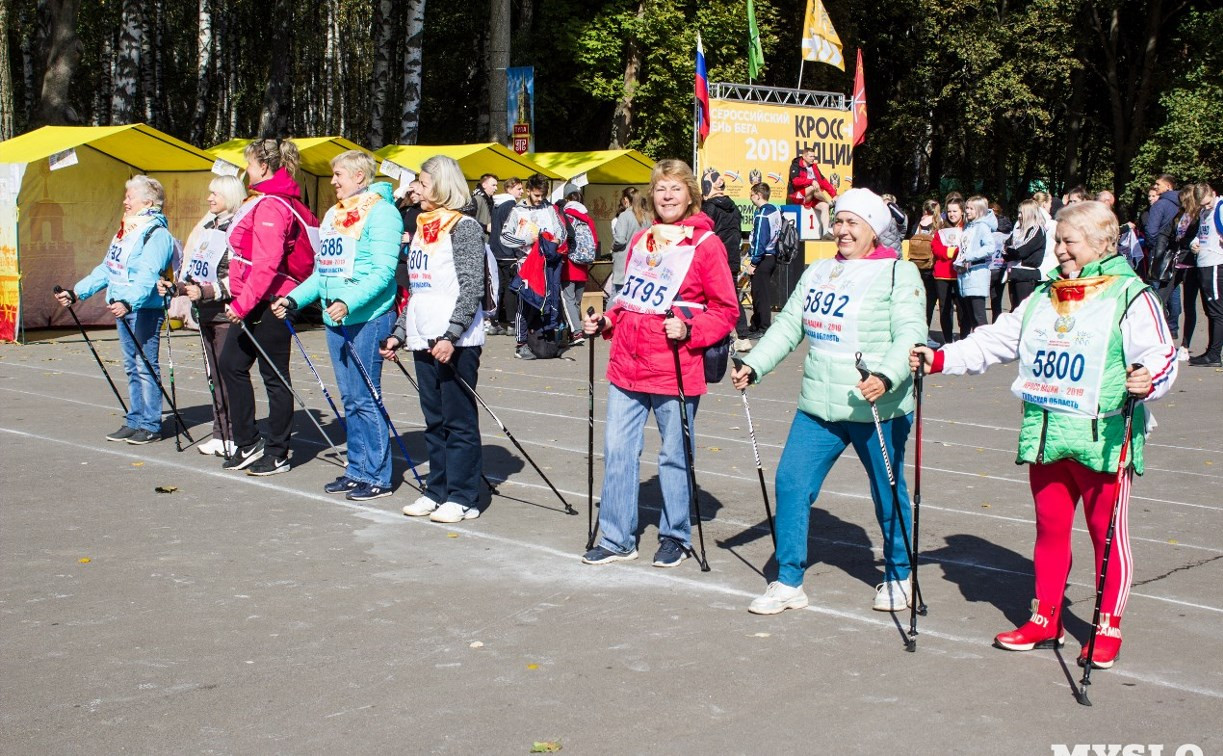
788 243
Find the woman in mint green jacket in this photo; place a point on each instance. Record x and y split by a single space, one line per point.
354 276
865 300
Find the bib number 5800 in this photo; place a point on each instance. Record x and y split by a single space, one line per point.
1060 365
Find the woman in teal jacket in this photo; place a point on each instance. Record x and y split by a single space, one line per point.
354 276
865 301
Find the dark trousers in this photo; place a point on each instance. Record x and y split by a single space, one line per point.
1211 280
507 301
214 337
927 279
1020 290
452 426
741 326
762 293
235 367
948 293
972 314
996 288
1190 288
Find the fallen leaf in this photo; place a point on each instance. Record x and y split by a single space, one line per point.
532 666
452 535
476 644
137 464
714 448
985 506
84 560
1173 541
761 635
545 746
166 489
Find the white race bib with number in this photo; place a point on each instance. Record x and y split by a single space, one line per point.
337 253
118 253
200 263
652 279
1061 357
836 290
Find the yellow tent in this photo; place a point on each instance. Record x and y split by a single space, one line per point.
315 174
474 159
61 192
606 173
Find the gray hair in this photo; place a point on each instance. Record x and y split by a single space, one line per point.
149 188
356 161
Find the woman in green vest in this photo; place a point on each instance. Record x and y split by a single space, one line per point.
1088 337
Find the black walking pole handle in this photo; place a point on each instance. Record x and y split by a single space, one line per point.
71 294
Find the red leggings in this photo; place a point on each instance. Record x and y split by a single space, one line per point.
1056 489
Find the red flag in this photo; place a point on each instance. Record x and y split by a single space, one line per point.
859 103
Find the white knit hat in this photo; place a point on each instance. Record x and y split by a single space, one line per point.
867 205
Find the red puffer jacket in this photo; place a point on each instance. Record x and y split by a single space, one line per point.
944 253
271 253
641 358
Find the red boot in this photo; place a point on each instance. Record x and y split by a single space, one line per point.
1108 644
1042 631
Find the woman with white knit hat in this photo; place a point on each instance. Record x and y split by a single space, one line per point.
864 306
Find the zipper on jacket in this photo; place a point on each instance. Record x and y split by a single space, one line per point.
1044 429
1095 429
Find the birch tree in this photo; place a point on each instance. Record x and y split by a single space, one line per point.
127 63
413 58
6 76
382 35
274 117
499 60
63 55
203 72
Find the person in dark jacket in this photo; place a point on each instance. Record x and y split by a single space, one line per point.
1160 231
1023 252
727 226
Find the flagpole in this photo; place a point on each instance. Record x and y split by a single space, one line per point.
696 127
800 73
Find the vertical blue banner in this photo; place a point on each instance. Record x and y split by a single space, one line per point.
520 108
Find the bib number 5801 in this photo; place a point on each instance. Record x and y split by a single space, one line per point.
1052 363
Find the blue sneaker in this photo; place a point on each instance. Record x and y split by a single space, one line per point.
367 492
342 484
670 553
600 555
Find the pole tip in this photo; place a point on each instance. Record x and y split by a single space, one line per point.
911 645
1081 697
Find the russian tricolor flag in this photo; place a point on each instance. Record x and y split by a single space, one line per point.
702 92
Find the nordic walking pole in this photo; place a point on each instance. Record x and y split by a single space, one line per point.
590 437
285 381
751 431
212 387
1123 462
373 392
153 374
326 394
568 507
92 348
918 606
416 388
165 309
702 560
911 643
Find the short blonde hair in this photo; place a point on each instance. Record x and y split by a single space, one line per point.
677 170
150 188
356 161
229 188
978 203
449 188
1095 221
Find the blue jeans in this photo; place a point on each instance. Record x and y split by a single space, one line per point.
627 412
452 426
143 396
811 450
369 446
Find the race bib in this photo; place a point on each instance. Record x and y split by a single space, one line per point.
1061 357
653 276
337 253
835 293
117 255
202 259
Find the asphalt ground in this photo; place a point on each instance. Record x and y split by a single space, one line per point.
259 615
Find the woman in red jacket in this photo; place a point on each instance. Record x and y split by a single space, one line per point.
270 254
677 288
944 247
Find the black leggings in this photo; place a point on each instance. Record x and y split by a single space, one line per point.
762 293
237 357
948 293
1189 303
996 288
1020 290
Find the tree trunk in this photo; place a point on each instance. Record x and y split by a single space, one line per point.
382 37
63 55
148 65
499 60
6 76
1072 167
274 117
413 56
203 73
622 118
127 64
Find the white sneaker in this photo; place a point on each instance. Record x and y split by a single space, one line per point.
421 507
742 345
454 512
892 596
212 447
777 598
1182 355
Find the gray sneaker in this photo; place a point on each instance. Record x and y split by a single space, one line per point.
123 434
670 553
140 437
600 555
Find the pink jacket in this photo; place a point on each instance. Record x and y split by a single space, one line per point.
641 357
274 243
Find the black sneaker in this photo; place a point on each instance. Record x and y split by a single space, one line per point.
1203 360
367 492
670 553
600 555
342 484
266 465
122 434
140 437
244 457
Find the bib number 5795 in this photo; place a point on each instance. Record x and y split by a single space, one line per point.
646 292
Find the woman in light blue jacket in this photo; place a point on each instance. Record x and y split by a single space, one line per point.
977 247
354 275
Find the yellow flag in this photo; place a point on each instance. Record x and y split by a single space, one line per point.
820 40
